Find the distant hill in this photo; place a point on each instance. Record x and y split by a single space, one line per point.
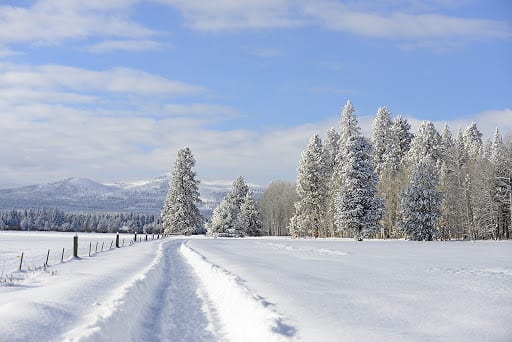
86 195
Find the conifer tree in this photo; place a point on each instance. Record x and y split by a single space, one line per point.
226 217
180 213
358 210
250 217
421 202
311 190
349 128
426 143
382 139
331 148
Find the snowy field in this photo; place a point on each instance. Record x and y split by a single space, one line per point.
35 246
266 289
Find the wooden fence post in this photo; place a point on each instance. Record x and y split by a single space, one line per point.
111 243
90 247
62 257
102 243
135 237
47 256
21 261
146 237
75 246
117 240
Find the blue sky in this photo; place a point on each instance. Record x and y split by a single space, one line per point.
110 90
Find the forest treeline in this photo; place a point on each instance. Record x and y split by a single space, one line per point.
52 219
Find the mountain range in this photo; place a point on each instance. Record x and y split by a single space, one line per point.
86 195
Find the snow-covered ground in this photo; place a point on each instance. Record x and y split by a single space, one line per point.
199 289
35 246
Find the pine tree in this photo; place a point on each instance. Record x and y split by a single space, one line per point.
421 202
226 217
180 213
349 128
311 190
250 217
358 210
331 148
382 139
426 143
222 220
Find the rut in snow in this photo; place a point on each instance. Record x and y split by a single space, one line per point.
161 304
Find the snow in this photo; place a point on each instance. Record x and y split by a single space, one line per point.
264 289
35 245
376 290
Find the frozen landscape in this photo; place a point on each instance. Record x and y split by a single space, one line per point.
264 289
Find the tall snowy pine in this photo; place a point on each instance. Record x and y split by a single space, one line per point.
358 210
311 190
421 202
180 213
331 148
382 139
250 217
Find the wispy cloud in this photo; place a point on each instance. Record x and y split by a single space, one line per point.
125 45
399 25
116 80
231 15
54 21
414 24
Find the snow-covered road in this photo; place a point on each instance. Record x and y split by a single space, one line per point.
266 289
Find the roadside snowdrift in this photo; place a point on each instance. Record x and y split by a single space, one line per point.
108 322
245 316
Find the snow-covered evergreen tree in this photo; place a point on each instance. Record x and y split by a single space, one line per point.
250 217
311 190
421 202
226 217
382 138
180 213
349 128
426 143
222 220
358 210
331 148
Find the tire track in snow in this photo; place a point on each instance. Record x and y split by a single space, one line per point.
160 304
244 315
178 312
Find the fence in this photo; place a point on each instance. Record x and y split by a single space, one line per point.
41 259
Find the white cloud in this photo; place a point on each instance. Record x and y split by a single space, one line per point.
116 80
125 45
417 24
212 111
53 21
399 25
229 15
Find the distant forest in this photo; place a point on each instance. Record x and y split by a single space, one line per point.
52 219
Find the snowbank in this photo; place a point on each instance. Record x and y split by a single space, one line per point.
245 316
113 319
